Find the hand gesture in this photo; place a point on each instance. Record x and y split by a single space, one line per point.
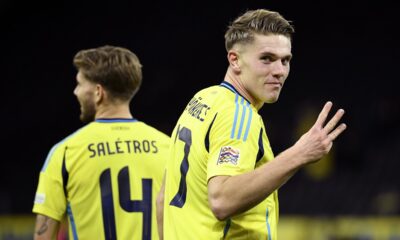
318 141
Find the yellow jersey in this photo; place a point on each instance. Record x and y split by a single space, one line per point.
105 177
218 133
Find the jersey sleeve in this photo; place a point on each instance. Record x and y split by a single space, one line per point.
50 198
233 141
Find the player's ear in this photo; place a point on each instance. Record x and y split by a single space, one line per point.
233 59
99 93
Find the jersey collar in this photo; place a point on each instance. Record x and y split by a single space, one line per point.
111 120
232 89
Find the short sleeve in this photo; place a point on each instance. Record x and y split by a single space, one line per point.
50 198
233 141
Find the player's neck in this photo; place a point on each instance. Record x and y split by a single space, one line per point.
236 82
113 111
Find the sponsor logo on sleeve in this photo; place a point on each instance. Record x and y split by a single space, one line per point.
39 198
228 155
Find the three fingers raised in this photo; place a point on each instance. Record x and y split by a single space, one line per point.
330 128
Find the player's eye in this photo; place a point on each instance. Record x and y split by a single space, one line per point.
266 59
285 61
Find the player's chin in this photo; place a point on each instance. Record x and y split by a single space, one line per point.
272 98
271 101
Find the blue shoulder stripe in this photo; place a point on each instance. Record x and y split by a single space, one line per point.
235 117
245 105
242 119
46 162
248 122
49 156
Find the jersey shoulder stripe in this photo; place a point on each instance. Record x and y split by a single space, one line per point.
242 116
56 146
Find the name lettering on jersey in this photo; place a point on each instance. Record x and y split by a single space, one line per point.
197 109
122 147
229 155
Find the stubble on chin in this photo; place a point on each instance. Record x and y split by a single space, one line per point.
87 117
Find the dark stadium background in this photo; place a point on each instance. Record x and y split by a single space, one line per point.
344 51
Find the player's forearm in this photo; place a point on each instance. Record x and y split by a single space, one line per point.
229 196
46 228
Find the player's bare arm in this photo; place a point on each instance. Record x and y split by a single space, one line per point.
45 228
224 197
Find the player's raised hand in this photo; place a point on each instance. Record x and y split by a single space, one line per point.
318 141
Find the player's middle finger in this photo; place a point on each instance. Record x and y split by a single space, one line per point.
334 121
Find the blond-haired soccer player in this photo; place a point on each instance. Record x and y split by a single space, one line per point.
222 177
106 175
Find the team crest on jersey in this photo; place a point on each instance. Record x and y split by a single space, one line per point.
228 154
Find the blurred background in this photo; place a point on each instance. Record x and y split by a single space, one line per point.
344 51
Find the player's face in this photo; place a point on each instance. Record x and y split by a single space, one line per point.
85 93
264 66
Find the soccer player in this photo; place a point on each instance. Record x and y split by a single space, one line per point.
222 177
106 175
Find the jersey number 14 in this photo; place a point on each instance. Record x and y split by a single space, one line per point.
124 189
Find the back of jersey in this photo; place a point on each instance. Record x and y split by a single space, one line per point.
106 177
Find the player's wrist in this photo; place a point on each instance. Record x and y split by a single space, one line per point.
295 157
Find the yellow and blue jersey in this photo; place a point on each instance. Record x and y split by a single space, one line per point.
218 133
105 177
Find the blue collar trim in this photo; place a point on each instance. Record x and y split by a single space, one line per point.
233 89
111 120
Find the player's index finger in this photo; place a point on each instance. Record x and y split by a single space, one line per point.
324 113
